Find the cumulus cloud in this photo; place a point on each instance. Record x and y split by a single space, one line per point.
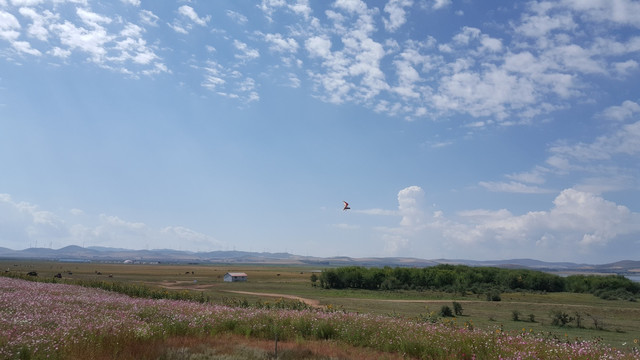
538 64
578 222
318 46
397 14
410 206
24 225
39 22
109 42
350 72
10 31
621 112
300 7
279 43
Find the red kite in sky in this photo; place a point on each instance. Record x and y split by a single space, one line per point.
346 206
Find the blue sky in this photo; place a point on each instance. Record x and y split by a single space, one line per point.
455 129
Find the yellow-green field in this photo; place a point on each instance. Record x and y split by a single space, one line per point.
616 320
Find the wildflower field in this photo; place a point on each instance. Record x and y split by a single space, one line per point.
60 321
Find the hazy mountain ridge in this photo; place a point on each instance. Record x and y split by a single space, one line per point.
77 253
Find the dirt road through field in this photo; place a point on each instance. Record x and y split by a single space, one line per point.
310 302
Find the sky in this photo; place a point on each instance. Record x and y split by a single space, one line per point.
473 129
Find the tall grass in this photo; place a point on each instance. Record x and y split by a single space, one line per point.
46 320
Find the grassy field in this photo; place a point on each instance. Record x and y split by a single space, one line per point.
614 322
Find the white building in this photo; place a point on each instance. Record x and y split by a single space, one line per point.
235 276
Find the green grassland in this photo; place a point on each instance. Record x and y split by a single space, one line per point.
614 322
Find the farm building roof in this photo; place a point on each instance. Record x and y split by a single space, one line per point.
237 274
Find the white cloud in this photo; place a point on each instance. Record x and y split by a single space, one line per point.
353 6
410 206
294 81
513 187
536 176
397 14
246 53
10 31
593 158
300 7
91 18
538 23
26 2
623 12
579 223
439 4
540 64
278 43
149 18
179 28
25 47
58 52
229 83
490 44
213 76
115 45
352 72
91 41
394 243
39 22
8 26
185 235
188 12
622 112
24 225
319 46
131 2
625 68
624 141
377 212
237 17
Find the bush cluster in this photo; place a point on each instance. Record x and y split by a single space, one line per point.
478 280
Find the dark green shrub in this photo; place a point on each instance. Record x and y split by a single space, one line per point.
560 318
445 311
493 295
457 308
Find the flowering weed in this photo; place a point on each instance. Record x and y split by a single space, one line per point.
42 320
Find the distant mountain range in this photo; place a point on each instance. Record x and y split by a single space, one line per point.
105 254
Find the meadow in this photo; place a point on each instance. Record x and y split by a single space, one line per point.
66 321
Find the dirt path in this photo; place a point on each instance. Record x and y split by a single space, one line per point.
310 302
316 303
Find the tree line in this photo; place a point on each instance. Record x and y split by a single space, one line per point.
478 280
